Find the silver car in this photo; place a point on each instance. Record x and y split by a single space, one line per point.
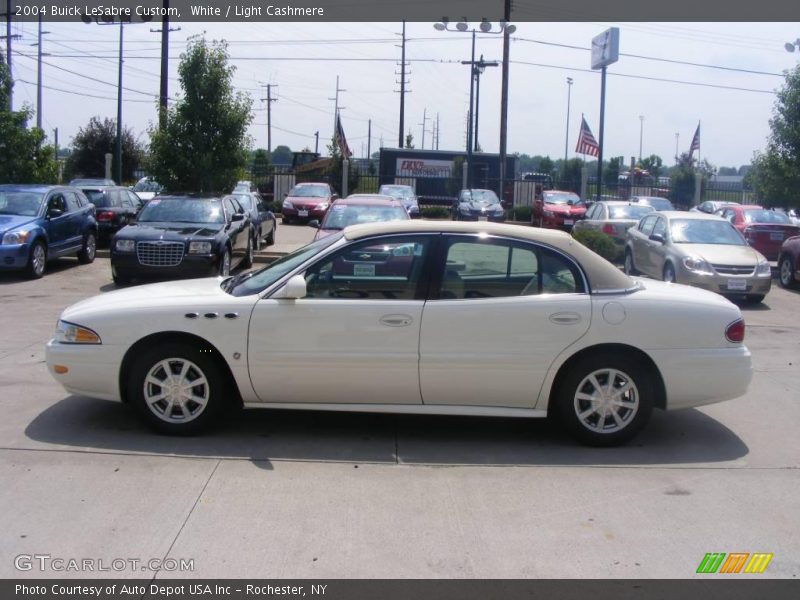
613 218
697 249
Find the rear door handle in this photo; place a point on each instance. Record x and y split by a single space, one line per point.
565 318
396 320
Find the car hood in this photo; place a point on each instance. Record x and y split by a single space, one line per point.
183 293
473 205
9 222
721 254
167 231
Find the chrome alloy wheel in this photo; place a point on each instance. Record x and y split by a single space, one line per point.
38 259
176 390
606 401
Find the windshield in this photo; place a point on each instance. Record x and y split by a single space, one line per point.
344 215
701 231
246 200
147 186
764 216
396 191
182 210
20 203
487 196
658 203
98 198
310 191
628 212
550 198
256 281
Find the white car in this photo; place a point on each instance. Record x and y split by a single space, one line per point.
411 317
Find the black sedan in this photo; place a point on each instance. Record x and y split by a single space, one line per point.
183 236
478 205
115 207
262 218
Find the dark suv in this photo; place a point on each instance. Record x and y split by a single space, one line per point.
115 207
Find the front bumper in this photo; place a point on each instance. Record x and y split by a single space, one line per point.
563 223
727 285
127 265
92 369
14 257
494 218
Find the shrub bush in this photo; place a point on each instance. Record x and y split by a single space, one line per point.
600 243
434 212
519 213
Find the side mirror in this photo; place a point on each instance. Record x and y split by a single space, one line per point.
657 237
314 223
54 212
295 288
237 217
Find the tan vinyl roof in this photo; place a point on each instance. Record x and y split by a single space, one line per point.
602 275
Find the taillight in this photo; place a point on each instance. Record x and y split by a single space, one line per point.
735 331
748 233
608 228
105 215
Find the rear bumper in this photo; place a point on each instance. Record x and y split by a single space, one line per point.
294 213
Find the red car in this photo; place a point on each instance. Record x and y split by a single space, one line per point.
359 208
557 210
765 230
789 263
307 201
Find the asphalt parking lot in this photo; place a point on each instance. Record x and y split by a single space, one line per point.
295 494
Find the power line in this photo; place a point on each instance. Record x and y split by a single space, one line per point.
84 94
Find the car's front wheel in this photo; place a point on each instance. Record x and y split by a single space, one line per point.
271 236
177 388
37 259
89 249
605 400
247 262
225 263
669 273
786 273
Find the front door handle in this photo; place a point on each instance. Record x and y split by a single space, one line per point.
396 320
565 318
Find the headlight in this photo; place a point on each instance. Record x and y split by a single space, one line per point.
697 265
323 206
763 269
199 247
69 333
124 245
287 204
14 238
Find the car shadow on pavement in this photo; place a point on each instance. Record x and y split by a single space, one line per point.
54 266
264 436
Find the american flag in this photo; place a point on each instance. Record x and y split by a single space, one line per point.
586 142
340 139
695 141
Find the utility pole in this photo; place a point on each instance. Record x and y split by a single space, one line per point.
424 125
504 98
566 139
677 137
478 68
403 90
641 134
437 130
336 107
369 139
269 100
316 142
8 37
119 108
39 74
163 98
600 141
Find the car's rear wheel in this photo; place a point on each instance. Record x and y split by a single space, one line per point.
37 260
271 236
178 388
89 249
247 261
605 400
786 273
630 268
669 273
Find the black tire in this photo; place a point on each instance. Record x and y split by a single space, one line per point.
187 417
257 240
247 261
669 273
786 273
271 237
589 429
89 249
225 259
286 220
121 280
37 260
630 267
755 298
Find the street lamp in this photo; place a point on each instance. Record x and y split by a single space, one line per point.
463 27
106 19
479 67
641 132
790 46
566 139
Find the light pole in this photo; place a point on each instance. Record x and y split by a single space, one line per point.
109 20
566 139
677 137
480 67
39 55
790 46
641 133
462 27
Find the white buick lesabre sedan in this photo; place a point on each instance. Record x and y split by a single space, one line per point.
411 317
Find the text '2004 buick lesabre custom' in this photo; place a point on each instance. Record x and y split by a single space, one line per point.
412 317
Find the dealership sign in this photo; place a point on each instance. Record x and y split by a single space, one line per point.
421 167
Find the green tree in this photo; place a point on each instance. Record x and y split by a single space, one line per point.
570 175
654 165
282 155
23 157
775 173
203 144
611 170
93 142
410 140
